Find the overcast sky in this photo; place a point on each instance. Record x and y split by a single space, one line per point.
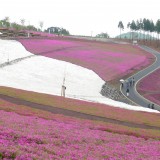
80 17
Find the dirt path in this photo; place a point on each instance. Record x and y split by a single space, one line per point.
66 112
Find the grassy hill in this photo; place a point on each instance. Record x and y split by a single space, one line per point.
135 35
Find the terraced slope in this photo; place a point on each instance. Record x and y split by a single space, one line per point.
149 87
109 61
28 133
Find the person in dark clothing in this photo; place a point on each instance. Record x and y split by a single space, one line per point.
133 81
149 105
127 92
152 106
122 84
130 82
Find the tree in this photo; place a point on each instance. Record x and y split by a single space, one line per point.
137 28
64 31
148 26
22 22
31 28
16 26
152 29
133 27
121 27
140 27
144 27
41 25
5 22
53 30
129 26
57 30
158 30
102 35
1 23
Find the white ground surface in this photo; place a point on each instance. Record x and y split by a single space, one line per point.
45 75
11 50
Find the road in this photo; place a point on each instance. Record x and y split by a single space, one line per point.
134 96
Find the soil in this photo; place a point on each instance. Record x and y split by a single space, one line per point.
75 114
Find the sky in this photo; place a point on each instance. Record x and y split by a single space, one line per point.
80 17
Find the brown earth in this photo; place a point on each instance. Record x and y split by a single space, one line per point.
71 113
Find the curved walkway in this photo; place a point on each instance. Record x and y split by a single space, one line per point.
134 96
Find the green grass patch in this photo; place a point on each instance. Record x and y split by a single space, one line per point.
97 109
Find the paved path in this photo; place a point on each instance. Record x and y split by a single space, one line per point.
76 114
133 94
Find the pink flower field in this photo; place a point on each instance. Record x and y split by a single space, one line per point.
30 133
109 61
30 137
149 87
97 109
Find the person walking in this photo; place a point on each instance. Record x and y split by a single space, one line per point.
127 83
133 81
122 84
152 106
63 91
130 82
127 92
149 105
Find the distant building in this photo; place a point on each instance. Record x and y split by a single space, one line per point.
135 42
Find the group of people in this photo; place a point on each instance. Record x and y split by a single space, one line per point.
151 106
129 83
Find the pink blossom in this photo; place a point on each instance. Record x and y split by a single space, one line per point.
149 87
29 137
109 62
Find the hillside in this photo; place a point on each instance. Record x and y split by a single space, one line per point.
46 75
108 60
37 123
134 35
149 87
30 137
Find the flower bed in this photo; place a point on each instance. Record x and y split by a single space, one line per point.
109 61
149 87
84 107
30 137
